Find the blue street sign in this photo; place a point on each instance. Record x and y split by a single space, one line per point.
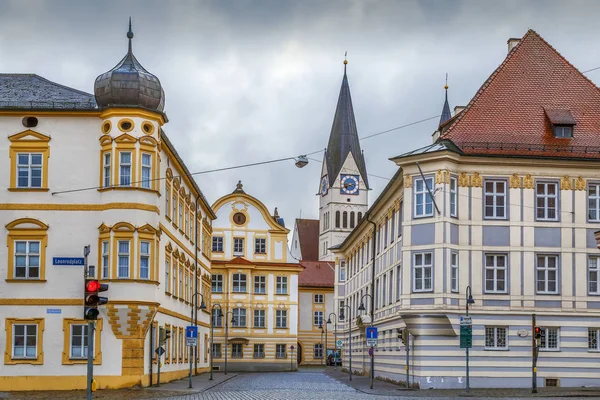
53 311
191 332
69 261
371 332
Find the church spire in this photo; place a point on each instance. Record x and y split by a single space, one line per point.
343 138
446 109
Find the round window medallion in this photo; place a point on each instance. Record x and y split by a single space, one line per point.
106 127
30 122
126 125
148 128
239 218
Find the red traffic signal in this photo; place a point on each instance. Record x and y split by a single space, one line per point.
537 332
91 298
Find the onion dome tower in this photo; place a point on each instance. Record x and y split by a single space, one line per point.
128 84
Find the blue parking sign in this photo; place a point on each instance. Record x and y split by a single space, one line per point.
191 332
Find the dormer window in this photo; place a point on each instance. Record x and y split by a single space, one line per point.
563 131
562 122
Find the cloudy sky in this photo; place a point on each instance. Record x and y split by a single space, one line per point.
250 81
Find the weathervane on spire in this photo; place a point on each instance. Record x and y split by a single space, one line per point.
130 34
345 61
446 85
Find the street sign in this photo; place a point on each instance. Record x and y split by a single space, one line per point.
160 351
292 347
370 352
466 321
371 332
69 261
191 341
191 332
339 343
466 333
53 311
371 342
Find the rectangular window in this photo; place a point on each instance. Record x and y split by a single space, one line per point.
217 244
167 200
423 200
593 336
144 260
238 246
318 318
29 170
454 272
259 350
146 170
174 278
341 310
106 170
27 259
125 168
123 257
385 232
495 337
550 339
453 197
216 349
546 195
105 259
563 131
187 229
383 291
217 318
391 283
260 245
280 350
398 283
593 275
495 273
393 226
25 341
282 285
217 283
79 341
422 272
281 318
342 271
259 319
237 350
318 350
495 199
318 298
181 292
547 274
239 317
239 283
260 284
174 216
594 202
181 215
167 277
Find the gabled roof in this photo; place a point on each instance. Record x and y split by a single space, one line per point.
30 91
317 274
508 115
343 138
308 236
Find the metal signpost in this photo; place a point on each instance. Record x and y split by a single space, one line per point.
466 341
191 340
292 359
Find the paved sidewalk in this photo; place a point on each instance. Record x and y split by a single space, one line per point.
200 383
362 383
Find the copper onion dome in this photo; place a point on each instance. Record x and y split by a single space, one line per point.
129 84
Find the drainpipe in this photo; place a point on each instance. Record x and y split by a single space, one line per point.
372 292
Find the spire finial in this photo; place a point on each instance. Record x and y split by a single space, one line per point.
446 85
130 34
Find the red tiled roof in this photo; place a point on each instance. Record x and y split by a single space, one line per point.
317 273
308 236
511 113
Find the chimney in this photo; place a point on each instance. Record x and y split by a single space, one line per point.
512 42
458 109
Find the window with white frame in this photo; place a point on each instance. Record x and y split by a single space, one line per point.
280 318
454 272
260 245
105 259
27 259
216 350
167 278
342 276
282 285
239 283
260 284
144 260
422 272
238 246
318 350
423 200
594 275
593 336
594 202
146 170
453 197
79 341
237 350
217 283
495 273
550 339
217 245
174 216
495 337
167 200
495 199
547 274
239 317
259 319
29 170
106 170
217 318
280 350
125 168
546 195
318 318
259 350
318 298
24 341
341 310
123 259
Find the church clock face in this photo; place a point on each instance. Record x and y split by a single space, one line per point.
324 186
349 184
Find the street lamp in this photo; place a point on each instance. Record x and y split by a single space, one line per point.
349 336
202 307
233 321
212 333
362 308
334 337
470 300
321 327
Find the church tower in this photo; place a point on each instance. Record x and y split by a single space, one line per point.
344 183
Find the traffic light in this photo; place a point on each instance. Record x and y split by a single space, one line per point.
537 335
92 300
402 334
164 335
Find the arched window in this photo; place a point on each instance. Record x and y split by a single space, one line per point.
352 219
359 217
345 219
337 219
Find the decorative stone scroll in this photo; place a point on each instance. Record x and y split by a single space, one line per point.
566 183
528 182
407 181
580 183
439 177
463 179
476 180
515 181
